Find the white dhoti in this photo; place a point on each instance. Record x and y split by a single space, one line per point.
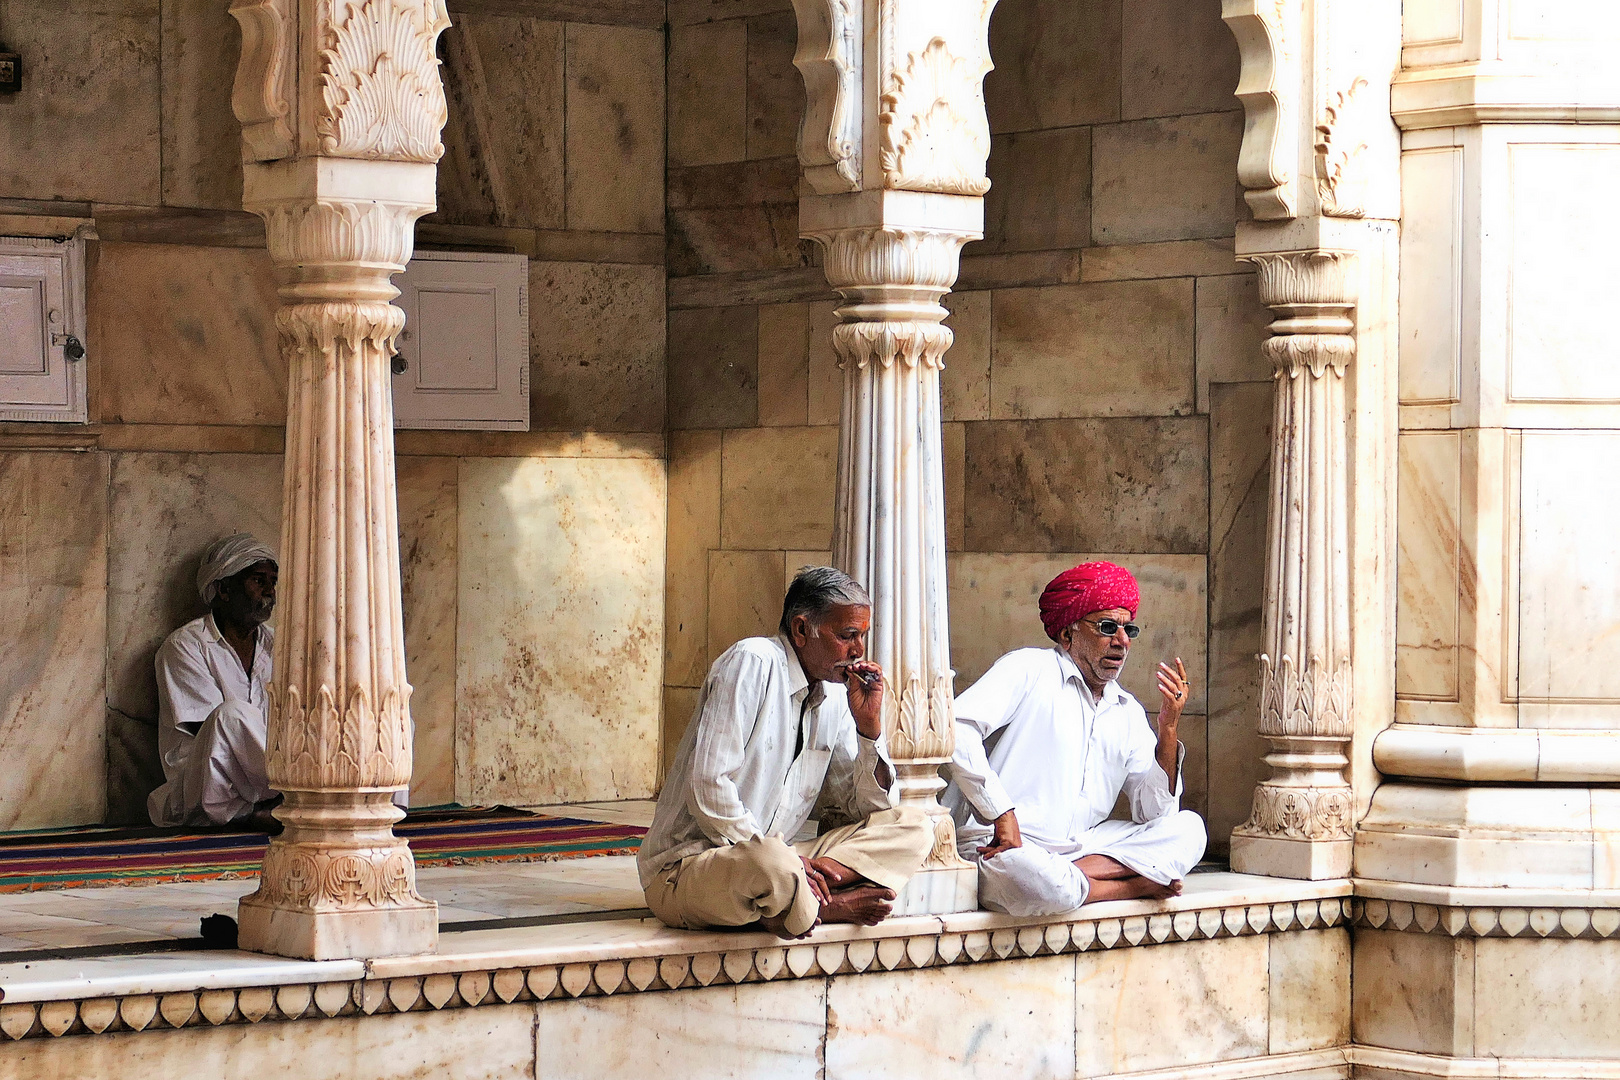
1032 880
222 774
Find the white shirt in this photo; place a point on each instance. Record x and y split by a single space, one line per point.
1057 755
736 774
197 672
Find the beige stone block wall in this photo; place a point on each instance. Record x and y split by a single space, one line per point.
1105 394
547 544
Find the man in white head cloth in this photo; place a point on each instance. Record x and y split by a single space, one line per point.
212 706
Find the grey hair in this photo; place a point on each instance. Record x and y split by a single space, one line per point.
817 590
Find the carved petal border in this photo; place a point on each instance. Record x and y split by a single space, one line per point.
1268 86
829 58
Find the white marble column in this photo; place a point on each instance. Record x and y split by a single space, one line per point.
1300 824
889 523
893 147
341 132
1319 168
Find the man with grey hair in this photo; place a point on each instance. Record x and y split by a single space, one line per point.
212 704
783 724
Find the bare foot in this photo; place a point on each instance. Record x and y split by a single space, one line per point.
864 905
836 874
1134 887
1103 868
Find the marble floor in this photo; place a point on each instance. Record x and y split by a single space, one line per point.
109 920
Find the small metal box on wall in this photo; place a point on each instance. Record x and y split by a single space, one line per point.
462 360
42 353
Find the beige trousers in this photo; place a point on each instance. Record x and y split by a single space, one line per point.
761 878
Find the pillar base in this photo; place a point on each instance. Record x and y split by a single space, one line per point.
941 891
1303 860
405 930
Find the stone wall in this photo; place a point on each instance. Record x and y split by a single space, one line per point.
1106 395
531 560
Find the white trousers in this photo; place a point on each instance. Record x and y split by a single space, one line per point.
223 775
1031 880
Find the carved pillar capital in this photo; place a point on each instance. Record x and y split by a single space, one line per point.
341 107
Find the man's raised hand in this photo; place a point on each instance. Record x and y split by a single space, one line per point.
1173 688
864 681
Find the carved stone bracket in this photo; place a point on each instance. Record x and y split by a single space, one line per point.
1300 825
828 56
1267 33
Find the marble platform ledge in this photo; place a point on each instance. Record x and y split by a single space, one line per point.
1379 1063
53 998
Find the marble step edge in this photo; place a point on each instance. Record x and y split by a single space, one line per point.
1498 755
42 1011
1386 1064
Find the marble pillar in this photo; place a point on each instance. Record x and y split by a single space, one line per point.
1317 167
1300 824
341 134
892 148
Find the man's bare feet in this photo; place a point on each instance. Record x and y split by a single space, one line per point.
1134 887
864 905
836 874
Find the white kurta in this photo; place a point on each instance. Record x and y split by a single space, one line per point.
764 745
1061 758
211 726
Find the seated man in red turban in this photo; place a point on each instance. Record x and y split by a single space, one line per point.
1067 739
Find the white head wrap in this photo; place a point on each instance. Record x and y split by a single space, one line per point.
227 556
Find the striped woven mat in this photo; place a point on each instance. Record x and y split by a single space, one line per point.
438 836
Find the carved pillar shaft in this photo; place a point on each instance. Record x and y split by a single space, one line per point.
340 176
1300 824
889 522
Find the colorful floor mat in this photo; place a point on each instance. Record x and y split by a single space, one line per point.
438 836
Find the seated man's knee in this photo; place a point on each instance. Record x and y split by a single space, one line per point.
767 861
1029 880
918 827
1190 825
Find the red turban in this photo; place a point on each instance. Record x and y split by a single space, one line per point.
1092 586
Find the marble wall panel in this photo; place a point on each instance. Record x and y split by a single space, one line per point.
1113 484
596 347
777 488
759 1029
708 107
1057 64
85 125
165 510
953 448
185 335
1541 998
134 770
614 146
1231 323
504 140
784 364
427 558
1001 1020
1217 990
1120 348
1428 536
1178 58
714 367
694 530
995 608
1310 990
827 378
53 590
1413 992
559 643
745 597
775 88
1240 486
1040 191
202 157
964 385
1569 544
1431 286
734 217
1171 179
492 1043
1560 271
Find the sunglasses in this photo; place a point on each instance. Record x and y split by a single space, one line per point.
1108 628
